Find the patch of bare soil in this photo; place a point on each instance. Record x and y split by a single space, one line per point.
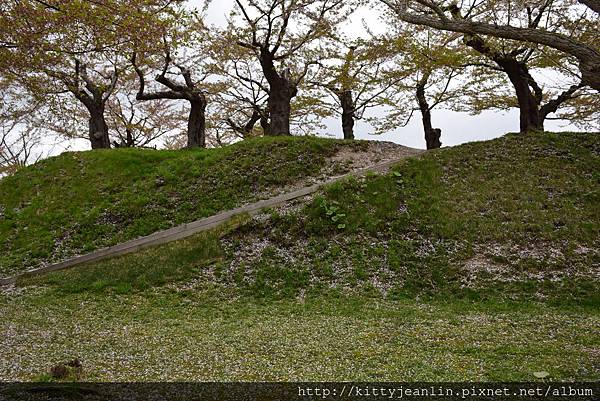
376 152
348 160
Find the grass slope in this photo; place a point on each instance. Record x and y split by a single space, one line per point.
79 202
514 218
479 262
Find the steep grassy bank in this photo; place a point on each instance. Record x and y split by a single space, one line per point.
78 202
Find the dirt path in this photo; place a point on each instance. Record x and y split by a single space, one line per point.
385 154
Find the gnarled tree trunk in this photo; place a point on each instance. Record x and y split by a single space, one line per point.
347 103
280 109
282 90
94 99
264 123
97 127
522 81
529 103
129 141
529 94
196 128
432 135
196 131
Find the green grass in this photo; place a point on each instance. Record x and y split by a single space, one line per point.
185 337
525 208
478 262
171 263
79 202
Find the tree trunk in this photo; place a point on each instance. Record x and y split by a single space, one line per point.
254 118
279 111
347 114
282 90
264 123
593 4
432 135
246 129
196 133
130 142
521 79
98 129
529 103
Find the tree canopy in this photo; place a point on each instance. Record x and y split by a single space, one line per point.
156 73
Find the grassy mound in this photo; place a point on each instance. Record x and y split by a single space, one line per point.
79 202
514 218
518 217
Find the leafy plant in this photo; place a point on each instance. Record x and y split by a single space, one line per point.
398 176
332 211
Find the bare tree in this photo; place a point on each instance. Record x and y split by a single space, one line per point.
242 98
135 123
190 90
19 146
269 35
20 139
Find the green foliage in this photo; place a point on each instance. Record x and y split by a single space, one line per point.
333 214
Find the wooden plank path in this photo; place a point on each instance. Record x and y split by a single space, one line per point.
188 229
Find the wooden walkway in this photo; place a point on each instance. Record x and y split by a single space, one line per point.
188 229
